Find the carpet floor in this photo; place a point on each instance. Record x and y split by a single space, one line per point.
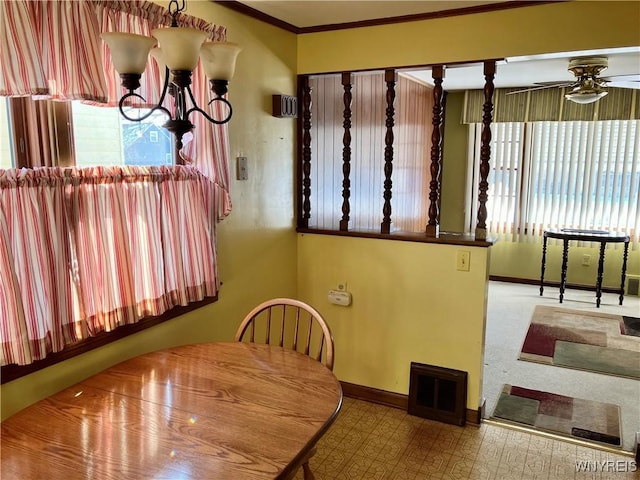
594 341
510 307
561 415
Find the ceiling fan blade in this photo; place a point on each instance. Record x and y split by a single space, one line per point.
542 87
632 77
624 84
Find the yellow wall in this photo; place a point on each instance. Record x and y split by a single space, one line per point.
545 28
454 166
522 260
256 244
410 304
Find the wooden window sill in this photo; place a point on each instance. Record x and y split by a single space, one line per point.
444 238
14 371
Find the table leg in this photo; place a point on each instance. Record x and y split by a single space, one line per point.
544 260
563 273
600 272
624 270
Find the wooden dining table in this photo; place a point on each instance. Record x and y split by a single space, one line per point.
212 411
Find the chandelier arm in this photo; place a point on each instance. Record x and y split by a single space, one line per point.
157 107
195 108
144 117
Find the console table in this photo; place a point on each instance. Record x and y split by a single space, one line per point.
601 236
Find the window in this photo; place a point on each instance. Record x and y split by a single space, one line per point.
6 157
562 175
98 135
103 137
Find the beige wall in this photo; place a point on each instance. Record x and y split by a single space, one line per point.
256 244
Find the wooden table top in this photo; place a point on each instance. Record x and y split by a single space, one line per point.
208 411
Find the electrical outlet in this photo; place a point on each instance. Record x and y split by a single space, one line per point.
586 260
462 260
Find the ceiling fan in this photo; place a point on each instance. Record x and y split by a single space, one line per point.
589 87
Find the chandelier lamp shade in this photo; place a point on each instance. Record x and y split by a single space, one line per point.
176 50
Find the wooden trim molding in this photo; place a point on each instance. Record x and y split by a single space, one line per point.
396 400
442 238
550 283
13 371
258 15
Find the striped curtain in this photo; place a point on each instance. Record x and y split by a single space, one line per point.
411 152
549 104
41 54
76 259
551 175
22 74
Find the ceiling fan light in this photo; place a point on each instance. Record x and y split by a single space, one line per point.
585 97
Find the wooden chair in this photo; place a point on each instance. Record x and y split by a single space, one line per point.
295 325
291 324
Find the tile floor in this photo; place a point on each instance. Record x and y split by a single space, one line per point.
373 442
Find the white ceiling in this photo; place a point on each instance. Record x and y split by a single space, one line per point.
528 71
516 72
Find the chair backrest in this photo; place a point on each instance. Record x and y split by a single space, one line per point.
291 324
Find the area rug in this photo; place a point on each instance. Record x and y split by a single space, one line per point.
561 415
585 340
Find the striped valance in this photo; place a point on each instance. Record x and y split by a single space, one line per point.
549 104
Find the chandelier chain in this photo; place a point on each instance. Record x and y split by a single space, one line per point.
174 9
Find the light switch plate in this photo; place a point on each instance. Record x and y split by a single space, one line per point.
462 260
242 169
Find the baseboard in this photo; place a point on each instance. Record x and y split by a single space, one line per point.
396 400
374 395
573 286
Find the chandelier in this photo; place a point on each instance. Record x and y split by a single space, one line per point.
176 50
